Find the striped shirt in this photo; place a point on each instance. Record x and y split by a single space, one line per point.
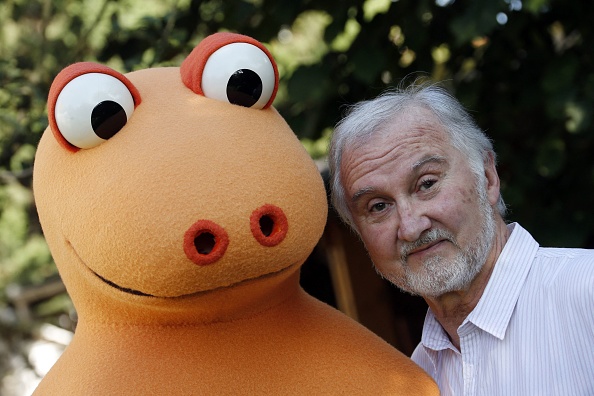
531 333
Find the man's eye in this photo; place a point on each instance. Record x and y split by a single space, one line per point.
427 184
378 207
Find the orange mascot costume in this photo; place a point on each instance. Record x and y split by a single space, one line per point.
179 207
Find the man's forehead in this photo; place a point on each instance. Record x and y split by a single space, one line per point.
418 139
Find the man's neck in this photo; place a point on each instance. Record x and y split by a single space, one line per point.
452 308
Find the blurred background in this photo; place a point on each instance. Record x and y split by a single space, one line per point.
524 68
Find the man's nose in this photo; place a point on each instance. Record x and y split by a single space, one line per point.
413 222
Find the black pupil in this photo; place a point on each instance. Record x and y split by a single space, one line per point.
244 88
108 118
266 225
204 243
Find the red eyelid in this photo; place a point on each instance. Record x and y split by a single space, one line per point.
70 73
193 66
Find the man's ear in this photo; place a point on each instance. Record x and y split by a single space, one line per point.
492 179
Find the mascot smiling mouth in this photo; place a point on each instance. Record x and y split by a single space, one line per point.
143 294
124 289
139 293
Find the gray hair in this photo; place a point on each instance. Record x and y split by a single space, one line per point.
366 118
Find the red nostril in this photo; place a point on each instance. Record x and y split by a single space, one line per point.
205 242
269 225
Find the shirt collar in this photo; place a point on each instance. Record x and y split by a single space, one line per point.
434 336
493 311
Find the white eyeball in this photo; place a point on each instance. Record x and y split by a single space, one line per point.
241 74
92 108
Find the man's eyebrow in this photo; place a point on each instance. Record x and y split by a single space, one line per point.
432 158
362 192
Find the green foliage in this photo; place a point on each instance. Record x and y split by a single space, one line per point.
524 68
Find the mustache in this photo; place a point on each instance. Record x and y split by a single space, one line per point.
430 236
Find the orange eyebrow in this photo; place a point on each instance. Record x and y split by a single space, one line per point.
193 66
68 74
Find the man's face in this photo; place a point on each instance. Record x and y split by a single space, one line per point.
425 218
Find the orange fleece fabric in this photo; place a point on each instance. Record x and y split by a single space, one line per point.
157 317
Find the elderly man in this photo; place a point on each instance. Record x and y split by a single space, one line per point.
416 179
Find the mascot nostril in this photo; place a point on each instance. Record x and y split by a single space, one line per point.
266 225
205 242
269 225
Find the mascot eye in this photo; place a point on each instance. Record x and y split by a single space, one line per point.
92 108
241 74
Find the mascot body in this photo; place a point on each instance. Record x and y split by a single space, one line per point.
179 207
